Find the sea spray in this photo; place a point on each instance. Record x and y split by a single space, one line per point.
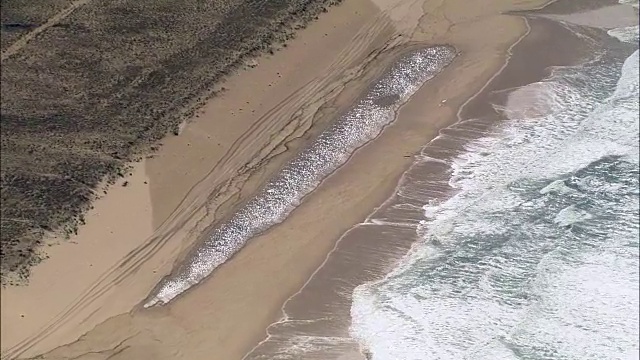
362 123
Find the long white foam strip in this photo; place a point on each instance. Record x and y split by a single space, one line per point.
330 150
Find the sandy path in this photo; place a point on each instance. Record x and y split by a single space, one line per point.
234 144
55 19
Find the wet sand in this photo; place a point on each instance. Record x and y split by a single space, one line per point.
226 315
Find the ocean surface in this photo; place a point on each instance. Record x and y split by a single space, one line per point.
536 256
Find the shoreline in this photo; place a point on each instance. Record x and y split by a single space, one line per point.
587 27
258 255
474 120
256 265
325 288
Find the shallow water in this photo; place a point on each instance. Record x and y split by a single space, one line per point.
362 123
536 254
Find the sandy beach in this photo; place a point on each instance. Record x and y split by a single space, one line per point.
84 301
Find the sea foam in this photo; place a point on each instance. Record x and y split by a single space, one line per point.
536 256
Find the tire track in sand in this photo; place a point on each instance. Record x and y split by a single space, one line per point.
295 114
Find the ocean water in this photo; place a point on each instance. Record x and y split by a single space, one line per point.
536 256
